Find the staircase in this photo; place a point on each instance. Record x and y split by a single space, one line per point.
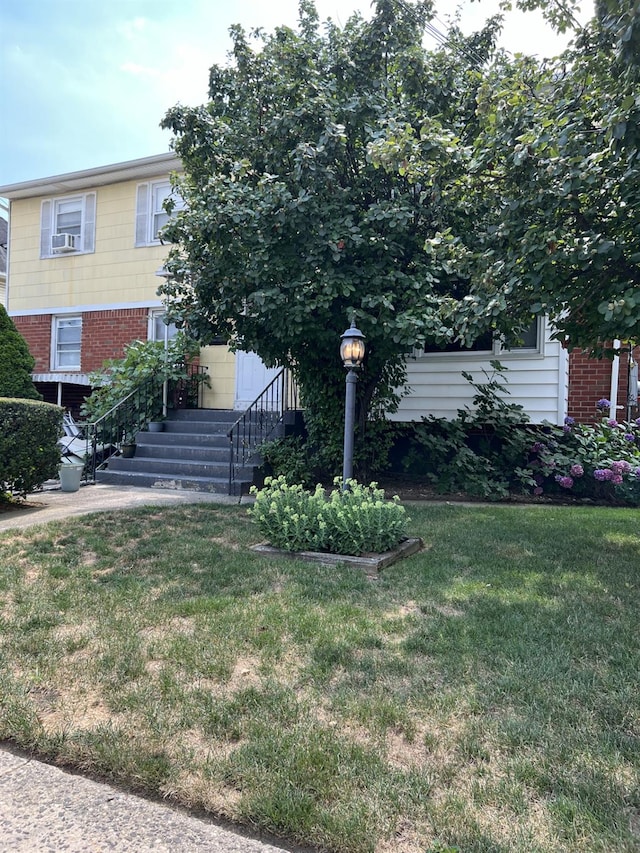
192 453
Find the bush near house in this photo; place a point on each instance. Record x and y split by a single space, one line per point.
492 451
136 381
142 360
29 452
16 362
601 462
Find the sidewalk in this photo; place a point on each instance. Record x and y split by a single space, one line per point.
52 505
44 809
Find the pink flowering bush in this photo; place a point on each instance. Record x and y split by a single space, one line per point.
491 450
600 462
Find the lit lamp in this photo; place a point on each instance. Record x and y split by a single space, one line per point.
352 351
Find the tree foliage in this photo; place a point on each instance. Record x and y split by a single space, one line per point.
340 173
16 362
553 179
568 228
291 229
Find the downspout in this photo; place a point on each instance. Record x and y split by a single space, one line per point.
615 373
632 381
7 276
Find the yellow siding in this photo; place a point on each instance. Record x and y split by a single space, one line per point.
116 272
3 299
222 371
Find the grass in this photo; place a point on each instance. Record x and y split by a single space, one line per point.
482 695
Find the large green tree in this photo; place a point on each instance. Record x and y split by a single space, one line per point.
16 362
291 229
553 176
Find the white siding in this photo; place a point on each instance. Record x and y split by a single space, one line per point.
537 381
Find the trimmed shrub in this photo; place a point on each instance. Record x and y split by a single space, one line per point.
352 522
16 362
29 452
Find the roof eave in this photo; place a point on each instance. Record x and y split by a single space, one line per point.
131 170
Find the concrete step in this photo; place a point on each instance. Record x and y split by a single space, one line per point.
228 416
153 480
175 467
192 452
186 452
204 427
182 439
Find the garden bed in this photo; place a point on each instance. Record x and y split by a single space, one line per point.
409 490
370 563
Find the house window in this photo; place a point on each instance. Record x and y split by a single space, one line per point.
67 225
530 342
151 216
485 343
68 216
529 337
66 343
159 330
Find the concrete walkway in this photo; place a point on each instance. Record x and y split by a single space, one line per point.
46 810
51 504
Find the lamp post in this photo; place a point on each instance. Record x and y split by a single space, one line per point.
352 351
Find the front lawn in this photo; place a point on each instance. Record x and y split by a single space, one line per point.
482 695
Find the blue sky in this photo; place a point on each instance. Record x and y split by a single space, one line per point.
85 83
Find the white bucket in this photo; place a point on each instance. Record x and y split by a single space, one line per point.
70 476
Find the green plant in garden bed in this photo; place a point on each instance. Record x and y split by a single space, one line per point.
351 521
483 451
287 457
142 360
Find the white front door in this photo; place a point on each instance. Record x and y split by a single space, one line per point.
252 377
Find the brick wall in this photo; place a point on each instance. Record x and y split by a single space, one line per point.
36 331
104 335
590 381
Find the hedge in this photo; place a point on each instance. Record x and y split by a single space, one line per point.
29 452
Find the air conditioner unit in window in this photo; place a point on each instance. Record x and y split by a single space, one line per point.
64 243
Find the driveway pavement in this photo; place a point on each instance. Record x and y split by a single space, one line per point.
44 809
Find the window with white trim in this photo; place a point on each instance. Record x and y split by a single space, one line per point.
66 343
151 216
67 225
530 341
530 338
159 329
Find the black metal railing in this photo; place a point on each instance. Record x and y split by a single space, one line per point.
120 425
259 422
187 393
149 401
